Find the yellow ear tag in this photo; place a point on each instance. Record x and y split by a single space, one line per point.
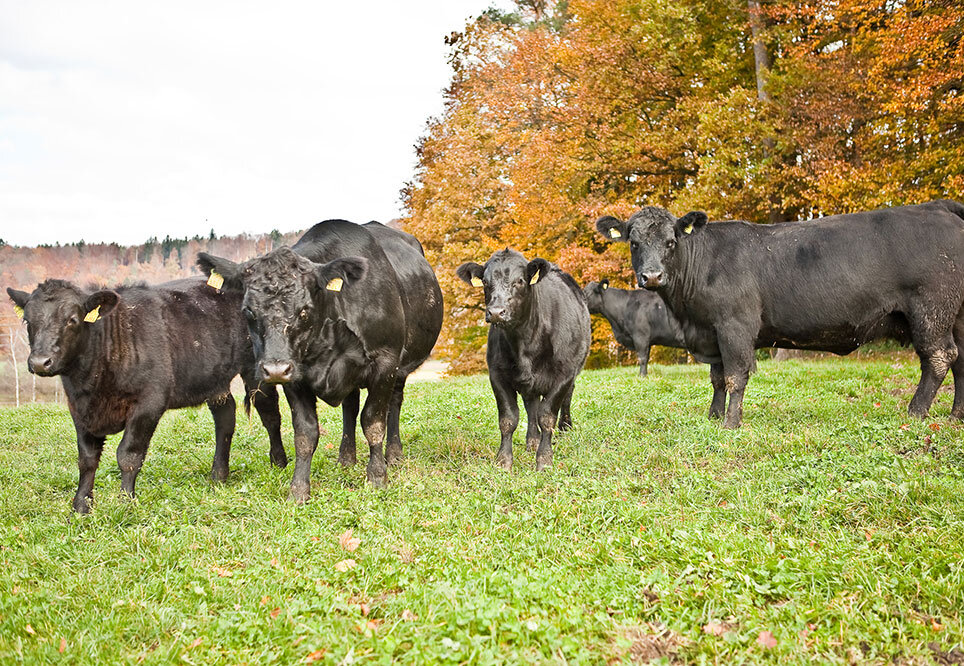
614 233
18 310
476 281
535 278
93 315
215 280
605 286
335 284
688 229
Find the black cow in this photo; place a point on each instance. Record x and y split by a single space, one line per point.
348 307
829 284
538 342
639 319
127 355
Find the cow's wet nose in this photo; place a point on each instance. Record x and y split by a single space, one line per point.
495 315
39 364
650 280
277 372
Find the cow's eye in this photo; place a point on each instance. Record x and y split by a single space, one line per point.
670 244
303 314
73 321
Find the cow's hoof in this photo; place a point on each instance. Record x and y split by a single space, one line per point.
715 415
730 424
393 454
565 425
917 412
543 461
82 505
219 475
504 462
299 494
378 477
280 461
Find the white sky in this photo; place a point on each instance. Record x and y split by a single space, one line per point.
125 119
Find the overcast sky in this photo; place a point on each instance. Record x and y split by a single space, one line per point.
121 120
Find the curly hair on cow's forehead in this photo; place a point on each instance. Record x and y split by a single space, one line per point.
274 271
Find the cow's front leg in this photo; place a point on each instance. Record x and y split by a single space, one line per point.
551 405
393 447
224 411
347 455
508 405
533 405
304 422
718 403
89 449
133 445
265 401
374 418
738 362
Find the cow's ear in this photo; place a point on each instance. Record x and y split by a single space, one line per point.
690 223
604 283
471 273
99 304
222 273
613 229
536 270
19 298
345 271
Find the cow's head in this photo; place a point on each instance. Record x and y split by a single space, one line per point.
507 280
654 236
59 317
594 295
286 299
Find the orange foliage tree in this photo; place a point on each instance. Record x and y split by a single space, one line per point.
557 114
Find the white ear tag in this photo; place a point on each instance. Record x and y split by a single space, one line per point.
535 278
614 233
688 229
93 315
476 281
216 280
335 284
18 311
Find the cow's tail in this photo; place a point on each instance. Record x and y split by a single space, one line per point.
247 403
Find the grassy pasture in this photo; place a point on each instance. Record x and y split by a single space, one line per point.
828 529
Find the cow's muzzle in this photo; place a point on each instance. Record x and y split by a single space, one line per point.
651 281
41 364
277 372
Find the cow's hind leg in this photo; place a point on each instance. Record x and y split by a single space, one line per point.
642 353
265 401
223 409
393 447
533 405
89 449
551 404
718 404
347 455
738 362
374 418
565 414
957 367
937 355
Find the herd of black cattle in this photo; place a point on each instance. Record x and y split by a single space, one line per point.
358 306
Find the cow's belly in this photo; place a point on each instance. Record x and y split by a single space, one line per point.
838 335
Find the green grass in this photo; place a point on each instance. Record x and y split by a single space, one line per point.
830 520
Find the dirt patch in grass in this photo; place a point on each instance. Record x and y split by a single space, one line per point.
646 643
953 656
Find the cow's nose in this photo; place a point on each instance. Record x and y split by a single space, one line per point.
495 315
40 364
277 372
650 280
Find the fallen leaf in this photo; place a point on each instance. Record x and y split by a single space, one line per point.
714 628
364 609
876 404
275 613
317 655
30 630
316 539
723 504
265 599
935 625
222 572
195 643
406 555
766 640
63 645
329 446
935 426
409 616
345 565
349 542
273 562
905 426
